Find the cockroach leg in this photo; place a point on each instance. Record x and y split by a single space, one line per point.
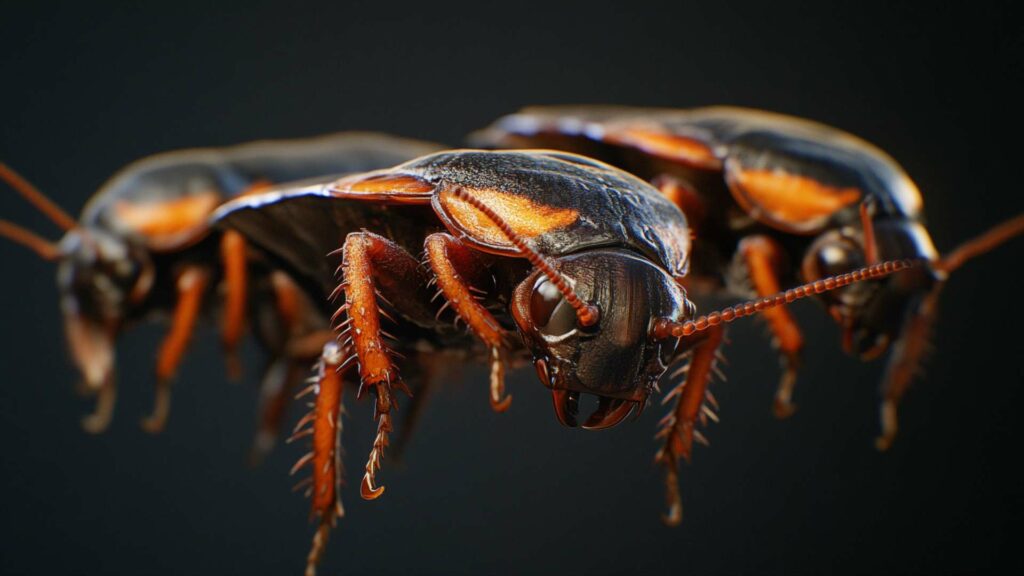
905 363
372 263
276 391
761 254
678 427
684 196
190 286
233 257
457 270
103 412
324 424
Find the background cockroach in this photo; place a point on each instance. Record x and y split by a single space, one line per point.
583 262
89 86
142 249
777 200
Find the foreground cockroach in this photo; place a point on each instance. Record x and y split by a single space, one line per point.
776 200
143 249
584 261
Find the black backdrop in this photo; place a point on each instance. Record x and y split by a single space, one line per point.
87 89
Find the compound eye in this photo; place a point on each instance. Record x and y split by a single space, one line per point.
838 257
551 314
834 256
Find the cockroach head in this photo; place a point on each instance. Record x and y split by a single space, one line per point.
871 314
612 356
100 275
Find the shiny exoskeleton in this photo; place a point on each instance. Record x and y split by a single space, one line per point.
775 200
143 249
584 261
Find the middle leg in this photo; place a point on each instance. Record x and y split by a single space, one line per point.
760 255
374 266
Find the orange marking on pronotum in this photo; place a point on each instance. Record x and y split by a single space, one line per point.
664 145
522 216
168 217
587 314
791 198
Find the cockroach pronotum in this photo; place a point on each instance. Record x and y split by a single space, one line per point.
143 249
584 261
777 200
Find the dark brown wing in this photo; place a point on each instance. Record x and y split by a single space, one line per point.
562 203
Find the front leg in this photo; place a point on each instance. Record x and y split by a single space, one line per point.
905 362
372 263
191 286
692 401
324 425
459 272
760 256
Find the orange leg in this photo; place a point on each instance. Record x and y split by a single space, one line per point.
324 425
761 255
684 196
92 347
103 412
287 367
691 402
233 257
372 262
191 285
904 363
458 271
276 390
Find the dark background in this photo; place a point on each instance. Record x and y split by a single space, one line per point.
88 88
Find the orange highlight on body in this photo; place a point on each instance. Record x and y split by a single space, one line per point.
523 216
792 198
169 217
668 146
385 187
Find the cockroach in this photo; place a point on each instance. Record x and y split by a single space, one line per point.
774 201
142 249
585 262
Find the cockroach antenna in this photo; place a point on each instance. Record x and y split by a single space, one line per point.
665 328
981 244
46 249
36 198
586 314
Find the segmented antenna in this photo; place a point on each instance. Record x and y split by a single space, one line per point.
665 328
586 314
44 248
982 243
36 198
